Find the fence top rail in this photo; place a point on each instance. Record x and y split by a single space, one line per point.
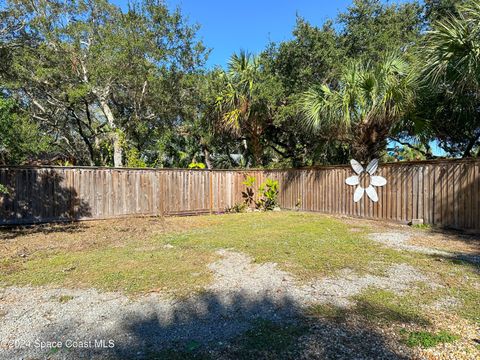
315 167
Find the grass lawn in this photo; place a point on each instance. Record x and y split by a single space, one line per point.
171 255
142 255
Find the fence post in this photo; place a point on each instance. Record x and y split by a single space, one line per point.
210 192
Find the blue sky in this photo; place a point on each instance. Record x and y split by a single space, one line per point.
228 26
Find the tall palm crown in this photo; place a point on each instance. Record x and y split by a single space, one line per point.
240 106
453 50
452 65
369 101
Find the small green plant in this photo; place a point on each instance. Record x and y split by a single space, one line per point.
427 339
298 204
196 165
238 208
269 195
422 226
268 191
64 163
4 190
65 298
249 195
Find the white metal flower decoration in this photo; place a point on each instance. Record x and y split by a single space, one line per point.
375 180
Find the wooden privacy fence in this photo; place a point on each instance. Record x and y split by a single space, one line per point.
444 193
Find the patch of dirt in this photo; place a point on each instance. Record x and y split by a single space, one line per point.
235 271
447 241
338 290
401 241
26 240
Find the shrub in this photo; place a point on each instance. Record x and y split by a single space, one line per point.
196 165
249 195
269 193
237 208
3 190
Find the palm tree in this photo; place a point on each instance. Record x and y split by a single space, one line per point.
240 106
452 50
451 66
369 101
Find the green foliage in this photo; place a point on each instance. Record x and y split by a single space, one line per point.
249 181
238 208
127 87
20 138
109 71
406 153
196 165
426 339
422 226
244 103
268 195
371 100
372 28
267 192
64 163
450 66
3 190
249 195
134 160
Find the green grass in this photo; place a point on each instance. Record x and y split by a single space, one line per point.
426 339
308 245
422 226
267 337
388 307
375 305
135 257
129 269
65 298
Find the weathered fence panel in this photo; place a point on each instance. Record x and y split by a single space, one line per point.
444 193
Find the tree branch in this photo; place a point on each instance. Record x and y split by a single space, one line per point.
427 154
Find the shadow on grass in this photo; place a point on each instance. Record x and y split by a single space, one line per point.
12 232
370 311
458 258
209 326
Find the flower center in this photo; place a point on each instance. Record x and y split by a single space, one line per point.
364 178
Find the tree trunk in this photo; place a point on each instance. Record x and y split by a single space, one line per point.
471 144
206 153
117 146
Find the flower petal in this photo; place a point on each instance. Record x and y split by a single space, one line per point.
372 193
357 195
356 166
353 180
372 166
377 180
